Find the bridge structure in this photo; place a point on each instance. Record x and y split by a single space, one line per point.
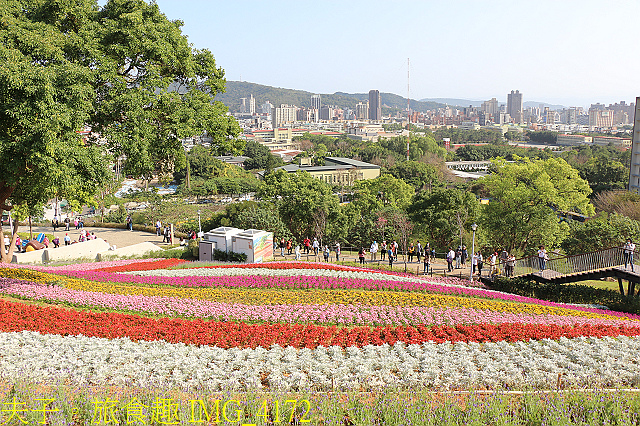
609 262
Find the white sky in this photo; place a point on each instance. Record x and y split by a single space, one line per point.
567 52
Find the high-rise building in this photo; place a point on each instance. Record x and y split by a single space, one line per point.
285 114
600 117
326 113
634 173
514 106
266 107
375 106
252 104
316 102
362 111
491 106
243 105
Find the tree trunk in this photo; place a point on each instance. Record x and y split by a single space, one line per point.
30 230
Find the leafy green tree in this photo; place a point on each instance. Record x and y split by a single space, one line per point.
442 213
524 199
417 174
263 216
385 191
299 197
124 70
600 232
604 174
260 157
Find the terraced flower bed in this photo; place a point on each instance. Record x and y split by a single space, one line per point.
298 327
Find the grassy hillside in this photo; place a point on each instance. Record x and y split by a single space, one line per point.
277 96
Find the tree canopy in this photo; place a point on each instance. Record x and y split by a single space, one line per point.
525 197
124 71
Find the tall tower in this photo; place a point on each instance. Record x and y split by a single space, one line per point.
514 106
252 105
316 102
634 173
375 108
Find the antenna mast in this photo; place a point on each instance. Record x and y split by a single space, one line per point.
408 110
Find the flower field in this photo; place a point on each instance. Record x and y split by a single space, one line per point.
291 326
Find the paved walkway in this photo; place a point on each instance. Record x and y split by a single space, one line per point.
439 266
114 236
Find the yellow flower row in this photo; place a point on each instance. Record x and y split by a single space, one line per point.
291 296
342 297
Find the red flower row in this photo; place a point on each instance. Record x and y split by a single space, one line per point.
53 320
143 266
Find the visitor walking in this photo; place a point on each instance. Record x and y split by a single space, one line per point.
337 251
327 252
427 263
411 252
418 250
492 264
307 245
451 255
480 264
390 255
458 257
283 245
373 250
316 246
361 255
298 254
627 254
465 256
67 222
383 249
158 227
542 258
510 265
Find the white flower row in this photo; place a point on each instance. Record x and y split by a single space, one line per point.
268 272
121 362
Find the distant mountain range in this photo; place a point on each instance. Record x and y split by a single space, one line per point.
301 98
277 95
467 102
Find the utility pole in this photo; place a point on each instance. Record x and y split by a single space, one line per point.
408 110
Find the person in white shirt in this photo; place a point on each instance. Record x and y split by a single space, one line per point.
373 250
315 246
542 258
450 258
627 254
298 254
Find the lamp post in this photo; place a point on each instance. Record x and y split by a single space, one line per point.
199 225
473 250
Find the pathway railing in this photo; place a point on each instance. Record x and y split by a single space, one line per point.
567 265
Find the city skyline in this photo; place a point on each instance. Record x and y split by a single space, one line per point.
469 50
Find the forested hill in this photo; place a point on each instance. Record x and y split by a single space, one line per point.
301 98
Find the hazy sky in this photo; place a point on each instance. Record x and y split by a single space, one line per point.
559 51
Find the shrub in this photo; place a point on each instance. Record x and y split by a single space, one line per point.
568 293
231 256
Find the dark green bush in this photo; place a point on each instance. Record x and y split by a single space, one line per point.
569 293
223 256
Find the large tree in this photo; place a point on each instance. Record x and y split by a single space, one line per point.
301 200
443 214
525 198
123 70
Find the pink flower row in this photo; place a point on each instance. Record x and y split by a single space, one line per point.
295 313
315 282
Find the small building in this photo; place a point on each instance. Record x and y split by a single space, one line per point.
256 244
336 171
574 140
216 239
